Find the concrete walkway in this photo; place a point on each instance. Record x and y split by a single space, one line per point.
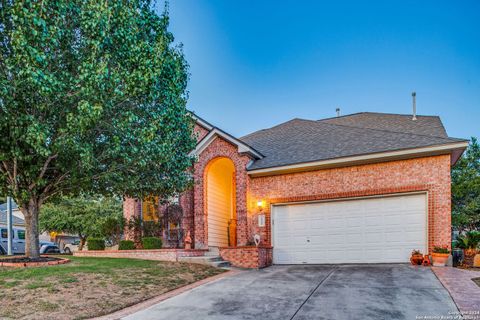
464 291
312 292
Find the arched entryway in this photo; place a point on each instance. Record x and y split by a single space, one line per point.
220 202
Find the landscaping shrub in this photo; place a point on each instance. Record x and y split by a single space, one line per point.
126 245
96 244
152 243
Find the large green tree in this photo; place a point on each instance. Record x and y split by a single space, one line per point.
83 216
92 99
466 189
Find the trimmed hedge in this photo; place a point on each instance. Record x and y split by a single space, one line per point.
96 244
152 243
126 245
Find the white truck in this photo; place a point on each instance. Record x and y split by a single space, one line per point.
18 244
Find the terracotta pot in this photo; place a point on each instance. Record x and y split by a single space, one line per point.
440 259
476 260
416 259
469 257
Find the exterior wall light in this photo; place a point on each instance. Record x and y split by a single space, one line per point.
261 215
260 204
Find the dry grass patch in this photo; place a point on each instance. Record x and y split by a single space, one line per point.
89 287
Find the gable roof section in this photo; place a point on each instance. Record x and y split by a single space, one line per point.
301 142
215 132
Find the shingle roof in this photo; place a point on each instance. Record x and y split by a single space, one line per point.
3 206
16 220
299 141
424 125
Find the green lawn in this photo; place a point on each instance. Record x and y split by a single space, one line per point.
88 287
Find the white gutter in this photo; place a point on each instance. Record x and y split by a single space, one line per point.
367 158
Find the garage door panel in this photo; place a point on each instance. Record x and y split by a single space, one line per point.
354 237
354 231
372 221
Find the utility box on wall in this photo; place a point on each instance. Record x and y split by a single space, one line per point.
261 220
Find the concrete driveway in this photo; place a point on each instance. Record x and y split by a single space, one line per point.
312 292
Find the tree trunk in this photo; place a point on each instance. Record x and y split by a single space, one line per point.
32 249
82 243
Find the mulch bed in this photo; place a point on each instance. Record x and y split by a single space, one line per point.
22 262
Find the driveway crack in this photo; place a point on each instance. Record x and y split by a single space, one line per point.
316 288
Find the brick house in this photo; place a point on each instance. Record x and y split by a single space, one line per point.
360 188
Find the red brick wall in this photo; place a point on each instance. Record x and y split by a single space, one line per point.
200 131
186 201
430 174
131 208
217 149
248 257
155 254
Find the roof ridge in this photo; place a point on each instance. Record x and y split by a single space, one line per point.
275 126
390 131
371 112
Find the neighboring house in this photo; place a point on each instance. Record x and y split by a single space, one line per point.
360 188
15 210
17 222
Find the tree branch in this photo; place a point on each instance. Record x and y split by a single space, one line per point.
42 172
50 189
10 176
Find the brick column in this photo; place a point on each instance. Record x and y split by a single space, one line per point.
131 208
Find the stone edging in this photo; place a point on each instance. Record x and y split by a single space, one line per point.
167 295
34 264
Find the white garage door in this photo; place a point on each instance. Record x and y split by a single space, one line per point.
370 230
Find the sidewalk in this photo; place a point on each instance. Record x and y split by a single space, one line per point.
463 290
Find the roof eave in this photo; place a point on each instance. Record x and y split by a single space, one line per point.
201 121
242 147
455 149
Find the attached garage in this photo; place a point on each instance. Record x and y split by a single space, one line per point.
362 230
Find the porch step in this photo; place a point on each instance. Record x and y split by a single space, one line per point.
214 261
212 252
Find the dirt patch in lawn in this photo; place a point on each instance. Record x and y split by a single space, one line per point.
89 287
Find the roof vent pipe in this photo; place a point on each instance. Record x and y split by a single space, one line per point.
414 101
338 112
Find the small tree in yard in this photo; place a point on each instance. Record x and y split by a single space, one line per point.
466 189
92 100
83 216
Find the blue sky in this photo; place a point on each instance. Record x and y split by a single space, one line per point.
257 63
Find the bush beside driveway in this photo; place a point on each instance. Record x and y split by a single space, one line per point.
89 287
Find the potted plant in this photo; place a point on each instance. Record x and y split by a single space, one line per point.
417 258
440 256
469 244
